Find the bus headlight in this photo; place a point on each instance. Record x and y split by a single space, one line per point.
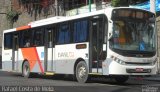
118 60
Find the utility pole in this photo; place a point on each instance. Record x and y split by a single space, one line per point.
56 7
152 6
89 5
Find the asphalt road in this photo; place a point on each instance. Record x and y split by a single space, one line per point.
66 84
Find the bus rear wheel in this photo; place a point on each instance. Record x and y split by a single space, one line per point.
81 72
26 70
121 79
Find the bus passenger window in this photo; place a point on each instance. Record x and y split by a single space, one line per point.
8 41
38 37
26 38
80 31
64 34
37 40
27 43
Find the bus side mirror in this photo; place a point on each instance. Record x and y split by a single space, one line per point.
110 37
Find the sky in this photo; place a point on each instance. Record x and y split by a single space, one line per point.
146 5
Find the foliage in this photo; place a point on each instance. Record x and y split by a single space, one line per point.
12 15
115 3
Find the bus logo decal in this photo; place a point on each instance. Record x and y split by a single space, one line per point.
42 54
65 54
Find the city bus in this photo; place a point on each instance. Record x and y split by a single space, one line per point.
116 42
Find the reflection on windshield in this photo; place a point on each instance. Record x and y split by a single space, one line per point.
131 35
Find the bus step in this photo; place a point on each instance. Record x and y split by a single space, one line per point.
95 73
49 73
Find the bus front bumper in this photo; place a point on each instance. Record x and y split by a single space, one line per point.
114 68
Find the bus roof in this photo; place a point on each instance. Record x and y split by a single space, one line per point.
58 19
9 30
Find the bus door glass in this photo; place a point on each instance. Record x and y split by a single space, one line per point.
15 52
49 49
97 41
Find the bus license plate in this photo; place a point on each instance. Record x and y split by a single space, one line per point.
139 69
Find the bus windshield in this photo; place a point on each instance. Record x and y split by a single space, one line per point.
133 35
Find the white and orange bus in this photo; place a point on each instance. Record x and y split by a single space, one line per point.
115 42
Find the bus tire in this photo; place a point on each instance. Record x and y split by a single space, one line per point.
121 79
26 70
81 72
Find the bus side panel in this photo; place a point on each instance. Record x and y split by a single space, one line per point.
66 55
39 67
51 59
7 60
35 58
105 66
20 60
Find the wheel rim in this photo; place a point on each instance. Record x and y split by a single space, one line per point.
82 72
26 70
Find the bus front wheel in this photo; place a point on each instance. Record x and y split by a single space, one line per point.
81 72
26 70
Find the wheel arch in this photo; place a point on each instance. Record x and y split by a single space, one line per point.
25 60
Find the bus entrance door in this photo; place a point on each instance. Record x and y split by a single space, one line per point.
49 65
96 44
15 53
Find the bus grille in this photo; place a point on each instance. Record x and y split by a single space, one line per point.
138 63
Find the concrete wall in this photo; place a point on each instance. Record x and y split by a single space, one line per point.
4 6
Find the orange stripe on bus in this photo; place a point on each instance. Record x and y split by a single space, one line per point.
23 28
31 55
